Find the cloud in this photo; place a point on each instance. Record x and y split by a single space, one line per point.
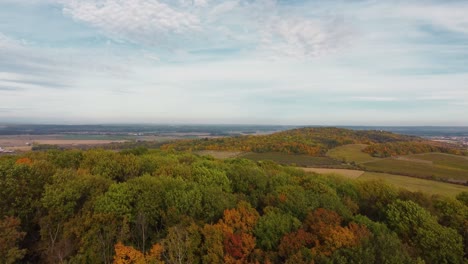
7 43
166 60
137 21
14 81
448 16
199 24
27 67
8 88
374 99
304 37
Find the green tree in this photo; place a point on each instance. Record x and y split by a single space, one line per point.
272 226
435 243
463 197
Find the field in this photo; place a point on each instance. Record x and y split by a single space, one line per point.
297 160
219 154
352 174
444 170
443 160
432 166
94 137
25 142
351 153
415 184
435 166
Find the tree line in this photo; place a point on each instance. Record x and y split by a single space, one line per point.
384 150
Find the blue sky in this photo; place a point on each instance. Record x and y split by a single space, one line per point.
241 61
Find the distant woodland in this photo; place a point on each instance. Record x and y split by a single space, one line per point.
317 141
166 206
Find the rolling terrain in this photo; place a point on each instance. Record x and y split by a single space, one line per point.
433 172
141 201
312 141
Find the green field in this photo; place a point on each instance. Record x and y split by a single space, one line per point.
416 168
352 174
291 159
219 154
351 153
443 160
415 184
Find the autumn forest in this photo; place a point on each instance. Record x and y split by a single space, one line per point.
166 206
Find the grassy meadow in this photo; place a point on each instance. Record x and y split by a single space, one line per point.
350 153
219 154
443 160
352 174
415 184
292 159
419 169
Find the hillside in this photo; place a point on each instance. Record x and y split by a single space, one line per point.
367 150
310 141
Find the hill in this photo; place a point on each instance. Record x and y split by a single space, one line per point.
311 141
368 150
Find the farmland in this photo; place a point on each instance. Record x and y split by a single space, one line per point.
351 153
294 159
400 181
442 159
352 174
219 154
415 184
25 142
445 171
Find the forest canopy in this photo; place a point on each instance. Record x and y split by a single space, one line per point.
151 206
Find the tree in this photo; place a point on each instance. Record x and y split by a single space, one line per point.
383 246
66 199
129 255
272 226
247 179
330 235
182 244
213 248
435 243
463 197
241 219
374 196
10 236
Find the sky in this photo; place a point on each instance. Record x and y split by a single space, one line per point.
288 62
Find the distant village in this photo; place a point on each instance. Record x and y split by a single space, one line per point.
461 141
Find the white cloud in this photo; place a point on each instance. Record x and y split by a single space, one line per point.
221 9
451 17
304 37
374 99
200 2
7 43
28 2
408 16
139 21
26 67
219 62
236 23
